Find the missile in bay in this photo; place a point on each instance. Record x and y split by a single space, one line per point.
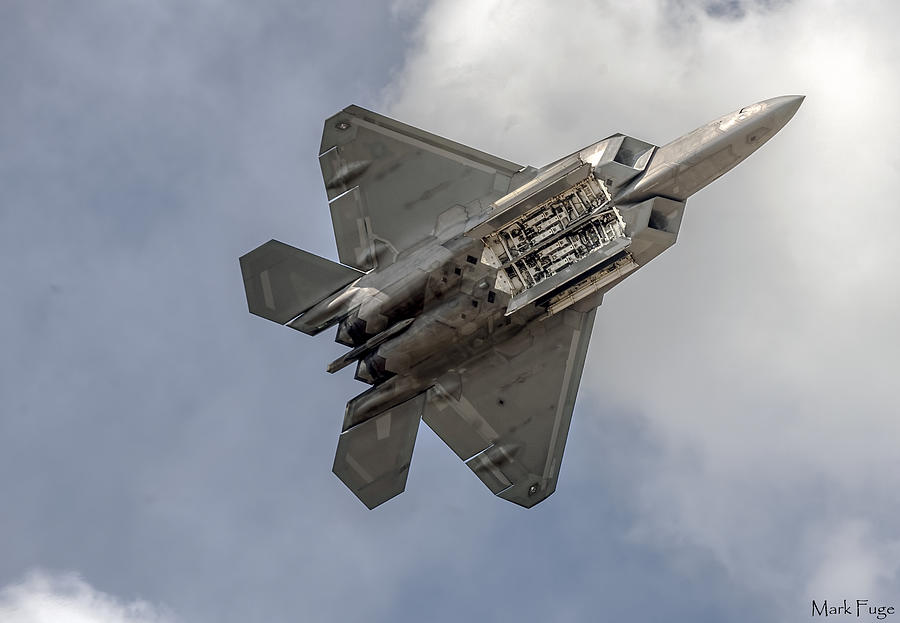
467 284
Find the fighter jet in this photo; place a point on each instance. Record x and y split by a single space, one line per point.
468 284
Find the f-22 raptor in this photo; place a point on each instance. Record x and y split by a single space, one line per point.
467 284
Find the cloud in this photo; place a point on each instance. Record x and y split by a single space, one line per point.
733 436
43 597
854 560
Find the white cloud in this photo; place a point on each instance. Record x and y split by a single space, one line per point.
756 356
66 598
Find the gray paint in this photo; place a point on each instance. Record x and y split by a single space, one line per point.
282 282
164 445
468 313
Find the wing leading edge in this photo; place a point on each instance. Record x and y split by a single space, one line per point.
507 414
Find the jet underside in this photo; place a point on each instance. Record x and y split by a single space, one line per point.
468 284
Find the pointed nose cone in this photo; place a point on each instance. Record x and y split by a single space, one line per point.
781 109
687 164
776 112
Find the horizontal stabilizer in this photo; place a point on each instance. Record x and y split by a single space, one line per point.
282 282
373 457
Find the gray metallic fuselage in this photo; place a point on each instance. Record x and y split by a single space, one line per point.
468 284
446 286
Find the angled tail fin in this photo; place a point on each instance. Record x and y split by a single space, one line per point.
282 282
373 455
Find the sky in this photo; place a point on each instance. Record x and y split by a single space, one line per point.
166 457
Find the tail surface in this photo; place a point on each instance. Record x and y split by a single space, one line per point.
373 455
282 282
